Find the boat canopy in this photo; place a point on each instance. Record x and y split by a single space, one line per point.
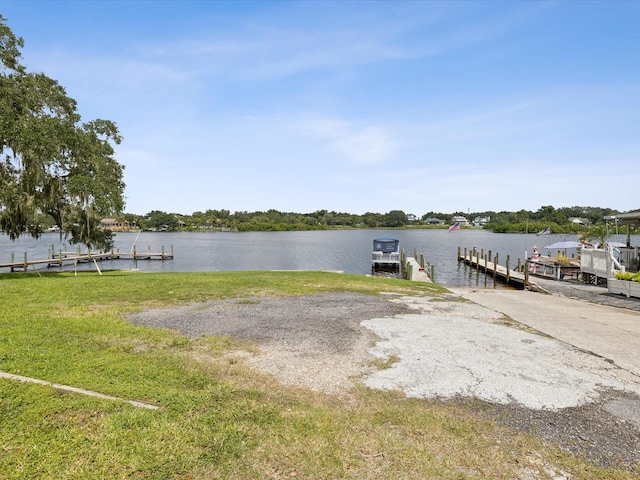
385 244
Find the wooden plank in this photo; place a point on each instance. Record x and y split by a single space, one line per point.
66 258
497 270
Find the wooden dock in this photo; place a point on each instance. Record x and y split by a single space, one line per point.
62 259
416 268
518 277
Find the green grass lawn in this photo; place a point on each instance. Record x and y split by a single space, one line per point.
218 419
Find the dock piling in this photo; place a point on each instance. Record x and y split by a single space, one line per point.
490 266
74 257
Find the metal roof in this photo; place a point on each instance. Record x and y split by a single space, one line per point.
625 218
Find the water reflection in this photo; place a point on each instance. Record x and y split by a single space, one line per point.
342 250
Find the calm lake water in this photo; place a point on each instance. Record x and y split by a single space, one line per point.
344 250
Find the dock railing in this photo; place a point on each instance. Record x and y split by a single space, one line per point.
62 258
489 264
597 265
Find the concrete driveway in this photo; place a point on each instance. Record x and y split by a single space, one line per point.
508 346
609 332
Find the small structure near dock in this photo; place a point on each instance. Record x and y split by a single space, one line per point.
628 255
556 268
386 255
597 266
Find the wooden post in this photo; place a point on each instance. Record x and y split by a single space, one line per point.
508 270
25 261
97 267
433 273
495 267
162 252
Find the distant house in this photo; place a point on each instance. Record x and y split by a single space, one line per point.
481 221
433 221
411 217
114 225
580 221
463 221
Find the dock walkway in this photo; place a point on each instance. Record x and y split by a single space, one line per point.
415 272
512 277
73 258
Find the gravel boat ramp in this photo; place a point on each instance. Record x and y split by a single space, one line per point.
566 368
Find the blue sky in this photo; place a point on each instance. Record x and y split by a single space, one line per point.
354 106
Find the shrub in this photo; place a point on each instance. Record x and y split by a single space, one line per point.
627 276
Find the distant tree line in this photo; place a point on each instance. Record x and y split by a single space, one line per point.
271 220
560 220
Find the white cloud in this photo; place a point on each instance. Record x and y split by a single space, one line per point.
298 105
361 144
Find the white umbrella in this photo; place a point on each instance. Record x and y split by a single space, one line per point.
564 244
616 244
